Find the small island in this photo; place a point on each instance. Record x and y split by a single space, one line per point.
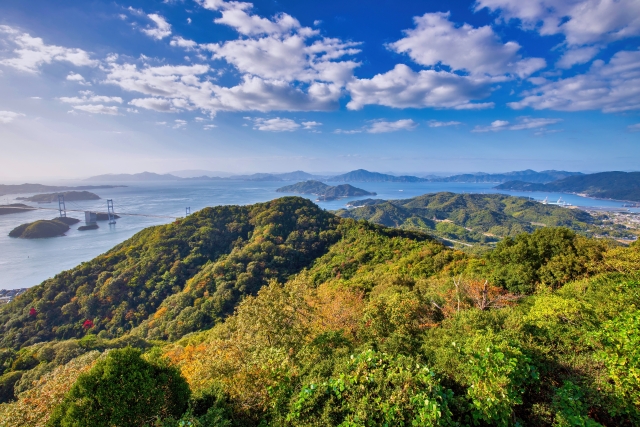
323 191
15 208
43 229
69 196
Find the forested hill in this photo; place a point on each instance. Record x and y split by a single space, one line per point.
470 218
324 191
282 314
603 185
200 267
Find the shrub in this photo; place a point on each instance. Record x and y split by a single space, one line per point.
123 390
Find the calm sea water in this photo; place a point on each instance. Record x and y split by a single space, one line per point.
25 263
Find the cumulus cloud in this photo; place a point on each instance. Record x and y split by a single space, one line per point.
275 125
209 127
177 88
438 124
184 43
610 87
237 15
89 97
179 124
97 109
383 126
9 116
161 28
575 56
75 77
436 40
523 124
30 53
404 88
582 22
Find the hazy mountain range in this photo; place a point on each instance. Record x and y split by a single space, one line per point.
359 175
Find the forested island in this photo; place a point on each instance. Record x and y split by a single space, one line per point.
42 229
325 192
69 196
283 314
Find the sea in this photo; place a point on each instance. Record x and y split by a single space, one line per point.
25 263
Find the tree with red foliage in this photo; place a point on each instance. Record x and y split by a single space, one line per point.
88 324
33 312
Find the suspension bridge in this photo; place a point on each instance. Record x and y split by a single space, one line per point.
110 212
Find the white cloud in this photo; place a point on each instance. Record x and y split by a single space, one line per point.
436 40
437 124
236 14
89 97
161 30
179 124
157 104
610 87
182 42
175 88
634 128
209 127
582 22
382 126
311 125
275 125
97 109
290 57
9 116
575 56
347 132
188 20
30 53
523 124
404 88
75 77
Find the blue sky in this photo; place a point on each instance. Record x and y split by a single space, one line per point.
325 86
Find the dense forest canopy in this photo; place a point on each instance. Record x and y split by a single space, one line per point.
282 314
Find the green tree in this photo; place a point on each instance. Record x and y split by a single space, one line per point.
123 390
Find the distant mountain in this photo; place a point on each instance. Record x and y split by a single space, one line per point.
197 173
325 192
603 185
136 177
525 175
40 188
362 175
288 176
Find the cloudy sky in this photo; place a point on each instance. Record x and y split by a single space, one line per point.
90 86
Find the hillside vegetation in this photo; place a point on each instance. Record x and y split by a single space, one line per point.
470 218
43 228
282 314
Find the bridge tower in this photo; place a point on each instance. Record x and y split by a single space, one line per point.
188 211
111 212
61 206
